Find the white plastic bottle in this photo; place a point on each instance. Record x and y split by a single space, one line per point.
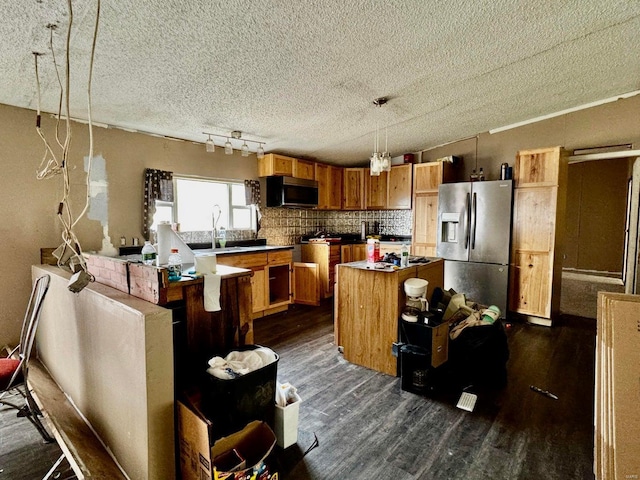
174 266
149 254
404 258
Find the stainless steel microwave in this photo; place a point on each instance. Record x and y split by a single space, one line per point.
289 192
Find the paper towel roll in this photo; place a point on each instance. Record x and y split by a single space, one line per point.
168 239
205 263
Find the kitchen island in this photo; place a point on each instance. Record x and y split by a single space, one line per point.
369 302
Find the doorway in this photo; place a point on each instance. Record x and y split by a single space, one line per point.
596 220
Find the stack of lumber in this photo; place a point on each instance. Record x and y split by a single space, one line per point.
617 387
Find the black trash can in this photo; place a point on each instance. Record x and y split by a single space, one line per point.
231 404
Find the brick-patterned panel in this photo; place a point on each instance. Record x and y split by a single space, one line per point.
148 283
108 271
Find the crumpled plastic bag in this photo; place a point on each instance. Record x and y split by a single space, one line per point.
286 394
238 363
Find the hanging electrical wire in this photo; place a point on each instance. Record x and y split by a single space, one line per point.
69 254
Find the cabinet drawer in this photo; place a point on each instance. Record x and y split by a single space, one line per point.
243 260
280 256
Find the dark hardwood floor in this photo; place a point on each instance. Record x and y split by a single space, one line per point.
367 427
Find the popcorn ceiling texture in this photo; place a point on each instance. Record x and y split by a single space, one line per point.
302 76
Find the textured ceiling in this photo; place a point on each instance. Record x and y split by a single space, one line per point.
301 75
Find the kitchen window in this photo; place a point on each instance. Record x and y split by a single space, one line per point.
194 201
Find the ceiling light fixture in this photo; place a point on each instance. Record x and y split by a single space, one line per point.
211 147
228 146
380 161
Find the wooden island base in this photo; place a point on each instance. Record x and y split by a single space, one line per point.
368 305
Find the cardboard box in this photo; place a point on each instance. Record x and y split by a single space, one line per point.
252 446
286 423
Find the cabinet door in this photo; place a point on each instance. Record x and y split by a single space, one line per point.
335 182
399 187
346 253
427 177
359 252
534 219
324 186
425 224
306 284
273 164
531 284
353 187
303 169
376 191
537 167
259 290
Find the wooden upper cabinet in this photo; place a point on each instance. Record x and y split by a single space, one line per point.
376 191
537 167
353 188
335 200
427 177
399 187
304 169
329 180
274 164
279 165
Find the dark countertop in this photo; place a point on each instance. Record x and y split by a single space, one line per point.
242 249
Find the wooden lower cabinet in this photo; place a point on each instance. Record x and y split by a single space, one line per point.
532 273
271 279
368 304
353 253
306 283
258 294
327 256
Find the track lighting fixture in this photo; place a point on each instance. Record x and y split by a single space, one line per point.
228 146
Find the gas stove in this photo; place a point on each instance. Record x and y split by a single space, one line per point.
328 237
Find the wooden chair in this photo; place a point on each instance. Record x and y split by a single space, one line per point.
14 369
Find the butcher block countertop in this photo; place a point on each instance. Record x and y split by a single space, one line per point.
368 305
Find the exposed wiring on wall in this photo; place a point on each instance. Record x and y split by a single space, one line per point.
69 254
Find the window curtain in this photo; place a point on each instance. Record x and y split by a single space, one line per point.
158 185
252 197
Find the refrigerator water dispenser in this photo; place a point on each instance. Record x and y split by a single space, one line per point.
450 223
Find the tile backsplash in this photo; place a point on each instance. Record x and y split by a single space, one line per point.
285 226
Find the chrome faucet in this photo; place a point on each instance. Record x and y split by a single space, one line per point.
215 216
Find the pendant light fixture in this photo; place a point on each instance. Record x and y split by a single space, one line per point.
380 161
228 146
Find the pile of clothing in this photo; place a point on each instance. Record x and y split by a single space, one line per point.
478 349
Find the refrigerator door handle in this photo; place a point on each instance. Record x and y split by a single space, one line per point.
474 220
467 232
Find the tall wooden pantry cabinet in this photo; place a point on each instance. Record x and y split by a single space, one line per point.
427 177
540 178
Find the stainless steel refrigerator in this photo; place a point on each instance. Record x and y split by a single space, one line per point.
474 239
